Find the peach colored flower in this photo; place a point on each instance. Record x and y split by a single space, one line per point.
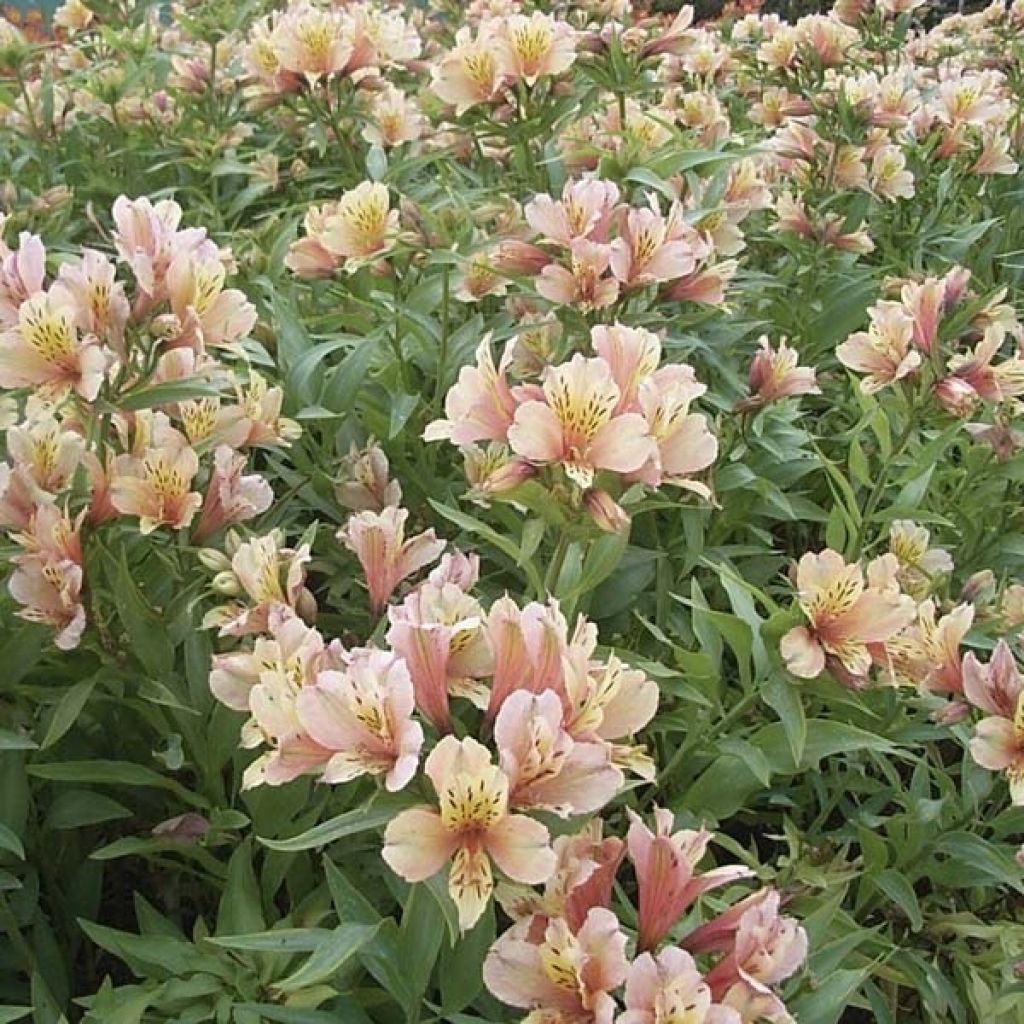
683 443
394 118
50 592
387 557
156 485
767 949
210 314
586 210
574 424
309 257
362 226
471 827
363 714
231 497
547 769
47 350
472 73
652 248
845 617
561 976
365 483
707 286
774 375
667 876
925 302
269 575
438 631
312 42
479 406
98 299
22 274
919 562
583 283
535 46
927 653
46 451
669 987
632 354
884 351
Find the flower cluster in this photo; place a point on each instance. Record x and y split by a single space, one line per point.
126 416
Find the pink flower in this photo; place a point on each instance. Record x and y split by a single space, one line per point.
583 283
362 226
670 988
472 827
883 352
995 687
684 444
156 486
845 616
269 575
387 557
766 949
480 406
707 287
231 497
534 46
46 350
22 274
49 591
565 976
586 210
458 568
47 452
312 42
666 872
925 302
472 73
209 313
632 354
575 425
998 744
608 515
652 248
90 288
774 375
365 483
363 714
927 653
437 630
546 768
528 646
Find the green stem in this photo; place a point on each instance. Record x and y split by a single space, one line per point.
557 564
442 354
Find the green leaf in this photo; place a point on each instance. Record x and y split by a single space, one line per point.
420 935
362 819
113 773
784 699
277 940
66 713
333 952
825 1003
461 966
343 385
12 1013
146 630
977 859
240 909
173 391
9 841
895 885
77 808
13 741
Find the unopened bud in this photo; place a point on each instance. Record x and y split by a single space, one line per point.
226 583
956 396
607 513
305 605
951 713
979 585
214 560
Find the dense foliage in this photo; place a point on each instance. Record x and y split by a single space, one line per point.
511 511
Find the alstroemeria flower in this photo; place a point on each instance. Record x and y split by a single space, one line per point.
774 375
927 653
210 314
536 45
583 283
575 425
919 563
99 301
22 274
46 350
480 405
48 453
844 614
231 496
565 976
546 767
632 354
438 631
362 226
472 72
363 714
269 575
312 42
998 744
49 591
767 949
668 989
586 210
652 248
386 555
667 876
156 486
997 686
471 827
883 351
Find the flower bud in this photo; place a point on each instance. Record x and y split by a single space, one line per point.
956 396
607 513
979 585
214 560
951 713
226 583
